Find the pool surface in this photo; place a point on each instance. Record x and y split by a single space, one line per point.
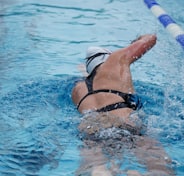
41 44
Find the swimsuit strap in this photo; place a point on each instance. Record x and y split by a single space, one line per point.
90 78
113 106
130 100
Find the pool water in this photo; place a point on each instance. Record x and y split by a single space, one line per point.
41 44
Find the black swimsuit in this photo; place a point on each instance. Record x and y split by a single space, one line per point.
130 100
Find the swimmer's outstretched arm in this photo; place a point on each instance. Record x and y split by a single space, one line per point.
132 52
137 48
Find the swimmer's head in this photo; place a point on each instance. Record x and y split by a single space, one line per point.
96 56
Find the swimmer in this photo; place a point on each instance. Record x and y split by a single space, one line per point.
107 100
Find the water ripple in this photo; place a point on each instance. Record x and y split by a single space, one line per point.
16 11
37 132
16 14
70 8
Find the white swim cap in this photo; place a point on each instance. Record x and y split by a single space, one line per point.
95 56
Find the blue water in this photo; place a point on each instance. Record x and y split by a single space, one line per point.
41 44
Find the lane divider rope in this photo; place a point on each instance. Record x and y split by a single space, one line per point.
175 30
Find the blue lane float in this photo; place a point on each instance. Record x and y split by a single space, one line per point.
175 30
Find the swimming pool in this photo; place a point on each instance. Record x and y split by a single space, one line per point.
41 44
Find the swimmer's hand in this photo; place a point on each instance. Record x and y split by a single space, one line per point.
140 46
146 37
